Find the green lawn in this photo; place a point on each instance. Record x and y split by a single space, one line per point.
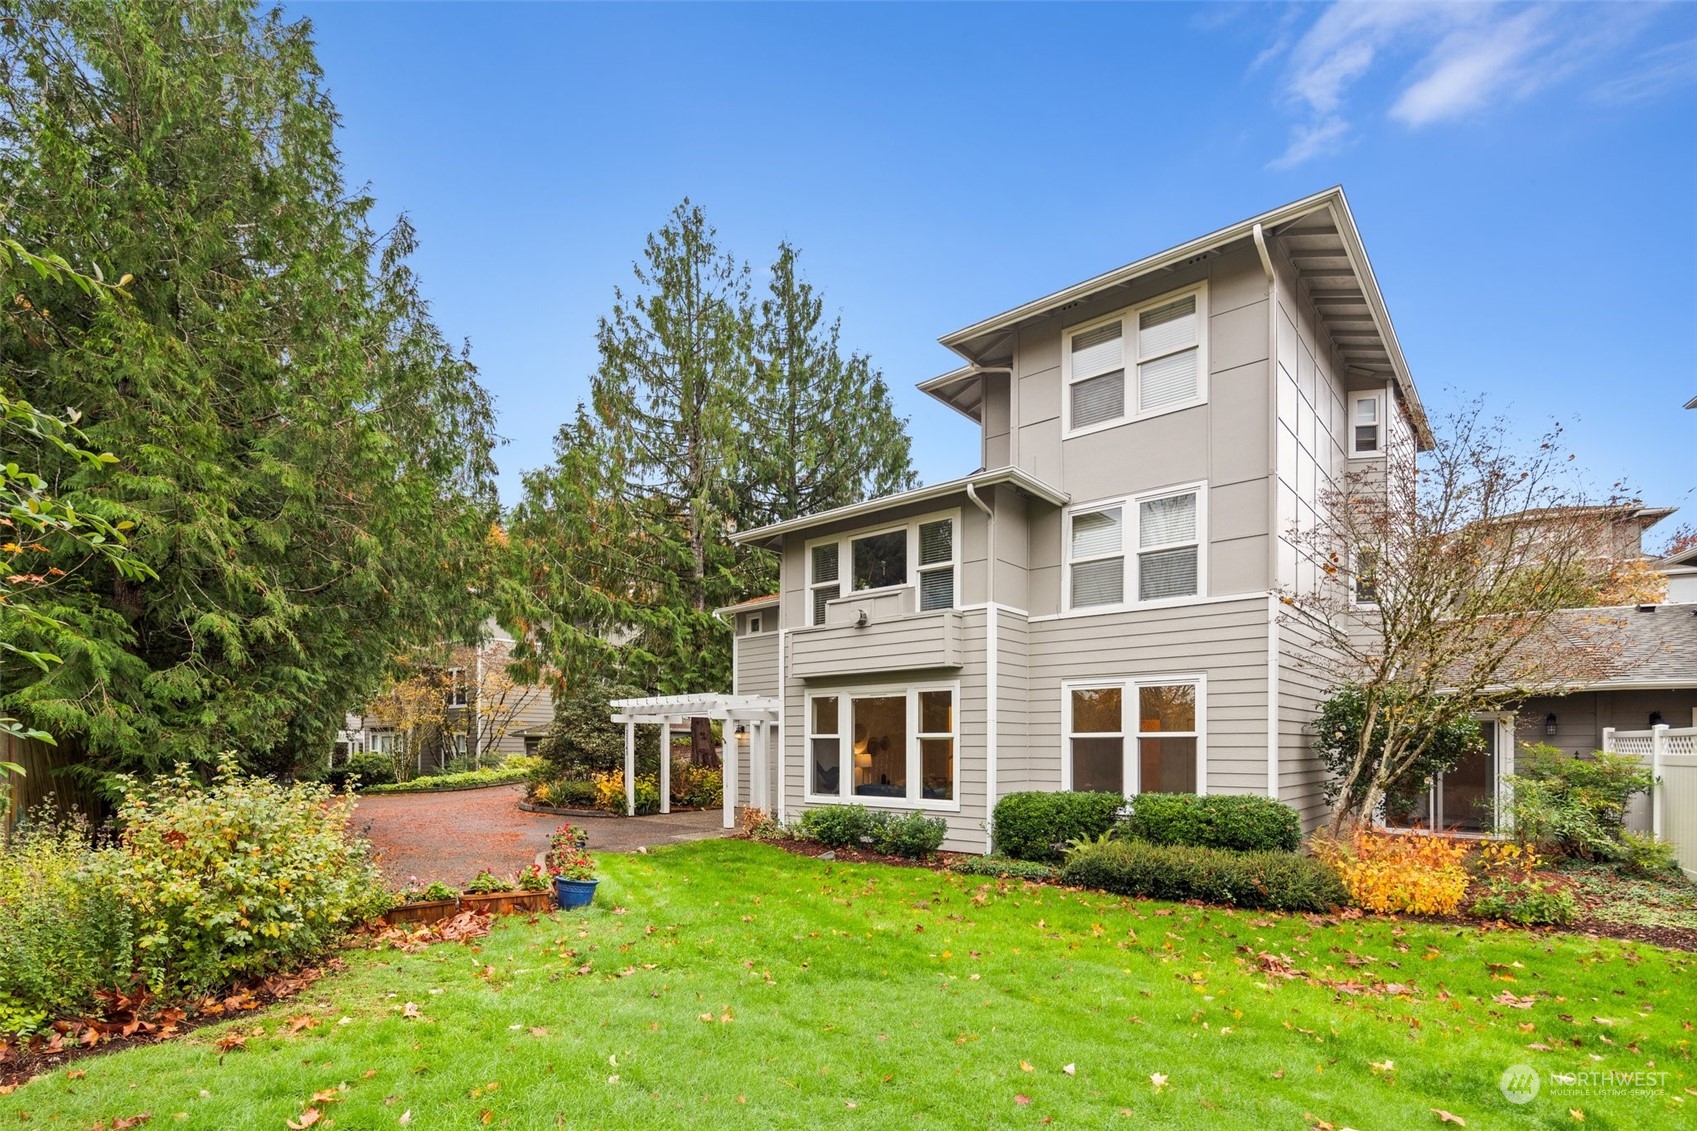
734 985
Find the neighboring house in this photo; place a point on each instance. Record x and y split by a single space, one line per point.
1681 571
1616 531
1095 609
483 712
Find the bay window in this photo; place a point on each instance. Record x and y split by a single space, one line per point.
900 745
1167 531
1134 736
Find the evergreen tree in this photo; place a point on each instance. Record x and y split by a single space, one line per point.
306 459
827 432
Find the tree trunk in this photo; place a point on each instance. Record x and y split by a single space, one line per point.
701 752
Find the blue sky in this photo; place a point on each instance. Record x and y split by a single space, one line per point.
1525 178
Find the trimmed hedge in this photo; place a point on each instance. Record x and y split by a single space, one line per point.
1028 826
470 779
1241 822
1281 881
847 826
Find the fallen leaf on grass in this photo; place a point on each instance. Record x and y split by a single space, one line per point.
304 1021
406 1117
75 1074
1070 1069
1446 1117
1159 1079
538 1031
1578 1116
411 1010
1025 1066
124 1123
307 1119
1021 1099
368 1074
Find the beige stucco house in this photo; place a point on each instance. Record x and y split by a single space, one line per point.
1095 607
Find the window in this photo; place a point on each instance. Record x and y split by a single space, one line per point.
1134 736
386 742
937 564
880 560
1368 427
901 746
1366 580
753 624
1167 362
456 687
824 744
924 554
1167 547
1098 557
1167 532
532 745
823 584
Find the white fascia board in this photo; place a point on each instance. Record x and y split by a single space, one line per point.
1012 476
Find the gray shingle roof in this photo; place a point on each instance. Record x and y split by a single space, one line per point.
1627 645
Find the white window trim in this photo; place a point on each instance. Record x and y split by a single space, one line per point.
1131 769
845 794
1129 538
1379 421
1355 597
459 695
1128 317
845 559
754 623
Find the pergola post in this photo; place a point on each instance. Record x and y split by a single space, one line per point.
665 767
728 762
630 769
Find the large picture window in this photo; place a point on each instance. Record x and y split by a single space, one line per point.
1140 362
900 746
1134 736
924 554
1167 531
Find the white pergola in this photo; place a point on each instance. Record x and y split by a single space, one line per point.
758 713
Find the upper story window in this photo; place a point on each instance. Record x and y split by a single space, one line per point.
456 687
924 553
1158 344
1149 545
754 623
1367 425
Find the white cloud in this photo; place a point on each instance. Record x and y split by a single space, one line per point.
1453 60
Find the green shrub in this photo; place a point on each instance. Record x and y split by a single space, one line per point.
564 793
487 883
835 826
1574 806
1337 741
1243 823
1037 825
62 937
238 878
1283 881
365 767
1527 900
1003 866
583 739
1642 856
468 779
915 836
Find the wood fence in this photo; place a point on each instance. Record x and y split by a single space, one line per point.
46 776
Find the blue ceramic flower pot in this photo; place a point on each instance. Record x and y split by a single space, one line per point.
574 893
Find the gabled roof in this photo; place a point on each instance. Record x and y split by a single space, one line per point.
1012 476
1330 262
745 606
1647 646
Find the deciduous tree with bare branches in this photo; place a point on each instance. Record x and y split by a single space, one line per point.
1437 581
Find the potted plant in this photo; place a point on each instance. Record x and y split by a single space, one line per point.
572 867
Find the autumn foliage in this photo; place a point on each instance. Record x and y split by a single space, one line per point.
1385 872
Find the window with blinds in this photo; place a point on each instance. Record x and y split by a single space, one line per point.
824 583
1167 547
1149 546
1164 358
1097 556
937 564
1368 426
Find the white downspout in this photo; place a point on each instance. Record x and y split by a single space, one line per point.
991 674
1272 513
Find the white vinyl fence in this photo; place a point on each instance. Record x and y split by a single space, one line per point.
1672 757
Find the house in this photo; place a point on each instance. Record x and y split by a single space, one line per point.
1095 607
1681 571
467 707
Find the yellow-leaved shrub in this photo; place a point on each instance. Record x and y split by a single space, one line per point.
1415 874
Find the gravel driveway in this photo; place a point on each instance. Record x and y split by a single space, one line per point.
452 836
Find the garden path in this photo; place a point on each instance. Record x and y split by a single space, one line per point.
452 836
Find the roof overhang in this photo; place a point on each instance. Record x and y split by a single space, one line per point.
961 389
747 606
674 708
1010 476
1347 297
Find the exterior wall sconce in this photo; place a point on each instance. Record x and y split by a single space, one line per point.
1550 724
1655 718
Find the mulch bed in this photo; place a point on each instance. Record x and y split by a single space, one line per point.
1673 938
141 1019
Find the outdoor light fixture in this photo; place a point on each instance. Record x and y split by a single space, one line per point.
1550 724
1655 718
